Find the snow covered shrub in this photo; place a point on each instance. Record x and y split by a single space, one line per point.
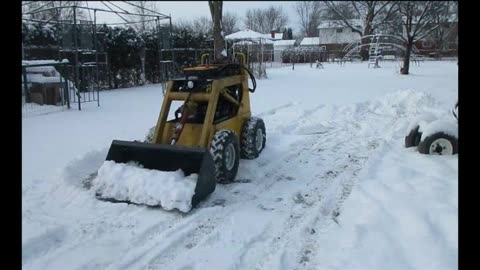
303 55
39 34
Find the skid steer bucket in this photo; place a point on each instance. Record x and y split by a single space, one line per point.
168 158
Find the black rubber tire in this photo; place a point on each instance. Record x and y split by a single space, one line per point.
424 145
221 140
149 136
413 138
248 149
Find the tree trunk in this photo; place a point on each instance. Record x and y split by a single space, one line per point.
218 40
364 53
364 50
142 61
406 60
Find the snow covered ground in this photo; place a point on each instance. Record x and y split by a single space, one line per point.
333 189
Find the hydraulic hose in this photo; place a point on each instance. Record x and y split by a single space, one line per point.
252 78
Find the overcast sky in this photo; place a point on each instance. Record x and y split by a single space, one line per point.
188 10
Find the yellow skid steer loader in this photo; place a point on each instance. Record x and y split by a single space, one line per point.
210 132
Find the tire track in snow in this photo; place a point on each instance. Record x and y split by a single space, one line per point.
320 224
275 109
296 216
274 173
330 180
208 222
195 236
166 245
328 209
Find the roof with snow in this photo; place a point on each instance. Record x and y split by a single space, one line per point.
247 34
286 42
42 62
357 23
310 41
253 42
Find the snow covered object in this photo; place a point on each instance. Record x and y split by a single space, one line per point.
434 136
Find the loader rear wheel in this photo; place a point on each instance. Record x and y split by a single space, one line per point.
225 151
253 138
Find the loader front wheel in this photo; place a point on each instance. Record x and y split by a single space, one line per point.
225 151
253 138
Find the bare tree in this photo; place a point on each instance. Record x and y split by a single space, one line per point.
266 20
216 8
60 11
372 13
418 20
446 15
254 20
143 8
344 8
229 22
275 18
142 24
309 13
182 24
203 25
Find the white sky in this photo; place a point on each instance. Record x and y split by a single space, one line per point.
188 10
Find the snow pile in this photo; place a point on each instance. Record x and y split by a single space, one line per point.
402 214
403 103
130 182
446 126
420 120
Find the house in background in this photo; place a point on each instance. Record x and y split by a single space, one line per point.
333 35
281 45
443 41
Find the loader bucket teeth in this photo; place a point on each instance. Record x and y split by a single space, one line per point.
169 158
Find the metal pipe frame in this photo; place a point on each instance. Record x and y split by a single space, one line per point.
159 15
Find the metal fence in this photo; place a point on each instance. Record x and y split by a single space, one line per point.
88 84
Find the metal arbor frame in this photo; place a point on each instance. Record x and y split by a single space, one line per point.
85 72
388 40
